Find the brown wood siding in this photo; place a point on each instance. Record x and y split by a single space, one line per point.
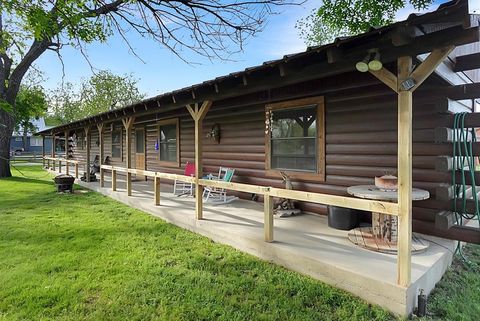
361 141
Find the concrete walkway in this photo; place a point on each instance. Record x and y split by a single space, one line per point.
302 243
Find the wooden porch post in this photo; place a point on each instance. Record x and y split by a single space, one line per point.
53 152
404 174
128 124
102 156
88 136
404 153
67 168
43 151
198 114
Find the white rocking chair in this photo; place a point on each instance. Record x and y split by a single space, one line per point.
216 194
184 188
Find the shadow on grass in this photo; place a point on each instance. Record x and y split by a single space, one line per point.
30 180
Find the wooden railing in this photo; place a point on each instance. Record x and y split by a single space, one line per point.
267 192
60 161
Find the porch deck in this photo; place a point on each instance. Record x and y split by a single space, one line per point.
302 243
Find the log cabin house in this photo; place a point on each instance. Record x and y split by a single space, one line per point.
348 126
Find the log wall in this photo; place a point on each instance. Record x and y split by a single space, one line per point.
361 140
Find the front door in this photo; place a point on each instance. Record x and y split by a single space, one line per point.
140 150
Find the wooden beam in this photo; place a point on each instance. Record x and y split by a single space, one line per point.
427 67
467 62
444 220
336 200
240 187
204 109
448 106
192 112
88 136
404 260
387 77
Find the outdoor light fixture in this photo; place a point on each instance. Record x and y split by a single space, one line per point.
370 62
408 84
362 66
375 64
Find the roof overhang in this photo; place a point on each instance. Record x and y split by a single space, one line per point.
450 24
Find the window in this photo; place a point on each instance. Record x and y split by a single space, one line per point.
168 142
80 141
36 141
295 137
117 143
140 141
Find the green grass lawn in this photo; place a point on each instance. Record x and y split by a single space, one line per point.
457 296
87 257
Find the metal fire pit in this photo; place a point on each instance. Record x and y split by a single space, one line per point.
64 183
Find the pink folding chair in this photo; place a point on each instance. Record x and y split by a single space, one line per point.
183 188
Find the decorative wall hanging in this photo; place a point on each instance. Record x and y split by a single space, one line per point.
268 121
214 133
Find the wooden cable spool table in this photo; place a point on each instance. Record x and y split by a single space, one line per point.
382 236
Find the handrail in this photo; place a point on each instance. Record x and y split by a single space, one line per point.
182 178
240 187
384 207
336 200
71 161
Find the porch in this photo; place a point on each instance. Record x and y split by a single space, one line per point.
301 243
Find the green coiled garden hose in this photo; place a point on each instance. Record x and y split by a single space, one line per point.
463 161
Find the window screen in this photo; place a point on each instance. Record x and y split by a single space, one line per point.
294 139
168 142
117 143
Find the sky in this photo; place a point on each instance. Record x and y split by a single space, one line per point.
161 71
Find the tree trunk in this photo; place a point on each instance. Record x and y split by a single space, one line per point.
6 130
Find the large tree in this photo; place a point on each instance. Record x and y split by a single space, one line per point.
337 18
102 92
28 28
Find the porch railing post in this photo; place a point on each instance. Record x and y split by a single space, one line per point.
76 170
114 180
156 188
268 217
